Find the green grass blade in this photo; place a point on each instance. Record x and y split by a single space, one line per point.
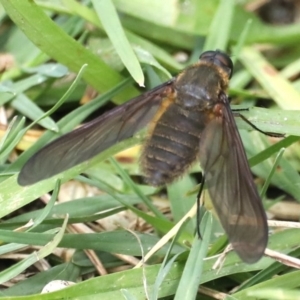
111 23
57 44
220 26
191 276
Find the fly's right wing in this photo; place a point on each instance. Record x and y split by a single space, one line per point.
92 138
231 186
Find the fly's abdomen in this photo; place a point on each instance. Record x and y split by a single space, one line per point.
172 146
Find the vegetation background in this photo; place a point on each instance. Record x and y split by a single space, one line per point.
56 56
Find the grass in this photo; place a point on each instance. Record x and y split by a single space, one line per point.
41 242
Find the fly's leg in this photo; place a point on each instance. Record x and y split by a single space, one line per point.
198 206
237 114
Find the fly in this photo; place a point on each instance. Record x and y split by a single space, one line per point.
189 118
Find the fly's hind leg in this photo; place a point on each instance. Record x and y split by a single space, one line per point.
198 217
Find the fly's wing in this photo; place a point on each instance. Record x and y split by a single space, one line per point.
231 186
90 139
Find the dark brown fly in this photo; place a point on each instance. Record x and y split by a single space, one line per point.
190 119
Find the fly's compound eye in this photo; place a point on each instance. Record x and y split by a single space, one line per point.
220 59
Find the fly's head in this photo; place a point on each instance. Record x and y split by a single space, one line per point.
220 60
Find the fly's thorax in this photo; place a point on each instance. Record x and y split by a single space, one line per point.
200 85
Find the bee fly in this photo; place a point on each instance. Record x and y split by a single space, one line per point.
190 118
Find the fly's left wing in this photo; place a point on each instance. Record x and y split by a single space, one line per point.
231 186
92 138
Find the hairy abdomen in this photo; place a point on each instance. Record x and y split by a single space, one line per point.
172 146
